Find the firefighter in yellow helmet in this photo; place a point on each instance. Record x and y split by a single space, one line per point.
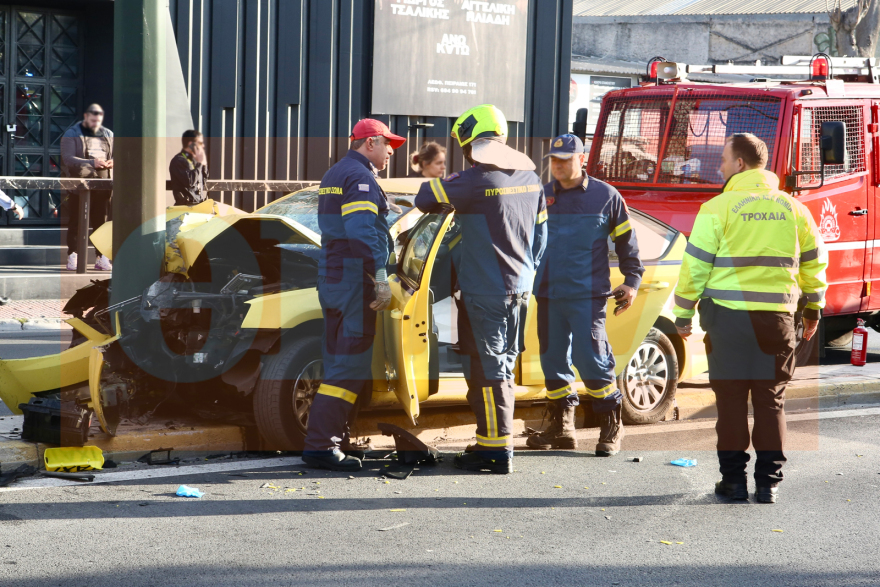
754 252
500 204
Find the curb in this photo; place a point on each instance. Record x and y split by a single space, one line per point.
14 324
436 425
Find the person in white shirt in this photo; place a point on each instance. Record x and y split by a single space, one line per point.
8 204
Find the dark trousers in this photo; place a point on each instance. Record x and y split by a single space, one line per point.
349 331
100 211
750 353
490 330
572 335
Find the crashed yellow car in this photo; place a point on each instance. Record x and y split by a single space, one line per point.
233 329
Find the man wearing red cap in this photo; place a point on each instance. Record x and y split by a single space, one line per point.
352 287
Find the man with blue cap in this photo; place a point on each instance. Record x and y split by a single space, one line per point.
572 286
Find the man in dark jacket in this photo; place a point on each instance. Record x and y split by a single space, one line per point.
189 171
87 152
500 204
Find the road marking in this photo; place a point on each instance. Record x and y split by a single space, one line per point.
158 473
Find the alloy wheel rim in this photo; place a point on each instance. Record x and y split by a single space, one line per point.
304 389
646 377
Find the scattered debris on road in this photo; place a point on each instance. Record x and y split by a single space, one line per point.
685 462
184 491
396 526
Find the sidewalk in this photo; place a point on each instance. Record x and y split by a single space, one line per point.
33 315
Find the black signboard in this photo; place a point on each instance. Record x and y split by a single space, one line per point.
442 57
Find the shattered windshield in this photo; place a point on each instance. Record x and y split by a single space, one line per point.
634 134
302 207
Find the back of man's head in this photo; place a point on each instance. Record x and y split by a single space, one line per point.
749 148
189 136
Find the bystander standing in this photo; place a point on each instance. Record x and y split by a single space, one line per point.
189 171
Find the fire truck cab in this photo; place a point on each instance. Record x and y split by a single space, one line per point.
660 144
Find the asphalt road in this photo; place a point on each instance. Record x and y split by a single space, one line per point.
459 528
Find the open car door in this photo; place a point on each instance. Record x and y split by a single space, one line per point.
408 321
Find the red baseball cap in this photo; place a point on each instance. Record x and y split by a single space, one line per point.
369 127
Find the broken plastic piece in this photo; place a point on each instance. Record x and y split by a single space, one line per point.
685 462
410 450
87 477
73 459
636 460
776 530
184 491
397 510
557 487
394 527
160 456
665 542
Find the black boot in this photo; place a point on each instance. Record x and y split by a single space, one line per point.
736 491
474 461
560 433
610 433
766 494
334 460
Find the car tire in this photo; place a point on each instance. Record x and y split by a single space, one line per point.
649 381
284 393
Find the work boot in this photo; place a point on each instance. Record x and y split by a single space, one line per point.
766 494
610 433
474 461
560 433
735 491
334 460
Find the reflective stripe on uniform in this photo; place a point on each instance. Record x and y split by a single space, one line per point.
810 255
542 217
338 392
603 392
361 206
621 230
816 296
760 261
685 303
699 254
762 297
454 242
494 441
559 393
439 192
491 420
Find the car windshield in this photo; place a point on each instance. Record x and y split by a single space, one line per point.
302 207
634 134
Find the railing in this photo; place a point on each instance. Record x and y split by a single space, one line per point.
85 186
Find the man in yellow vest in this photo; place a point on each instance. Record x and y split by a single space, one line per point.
754 252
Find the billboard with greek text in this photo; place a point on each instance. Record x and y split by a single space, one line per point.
442 57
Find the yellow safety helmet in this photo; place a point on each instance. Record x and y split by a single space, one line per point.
484 121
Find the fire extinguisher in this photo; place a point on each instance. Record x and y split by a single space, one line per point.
859 345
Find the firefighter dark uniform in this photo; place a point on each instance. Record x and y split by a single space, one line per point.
753 253
355 247
503 232
572 290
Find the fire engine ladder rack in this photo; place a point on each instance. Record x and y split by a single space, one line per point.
792 65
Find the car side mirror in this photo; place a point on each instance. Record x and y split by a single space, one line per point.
833 143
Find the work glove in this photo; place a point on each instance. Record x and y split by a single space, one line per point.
383 296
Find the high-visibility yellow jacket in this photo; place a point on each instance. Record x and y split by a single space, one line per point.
753 247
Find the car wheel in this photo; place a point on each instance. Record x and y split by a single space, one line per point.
284 394
649 380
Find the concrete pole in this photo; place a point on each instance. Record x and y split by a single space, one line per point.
139 150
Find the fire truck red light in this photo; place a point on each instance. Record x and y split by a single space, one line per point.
654 69
820 68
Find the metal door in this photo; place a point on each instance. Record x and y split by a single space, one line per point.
40 97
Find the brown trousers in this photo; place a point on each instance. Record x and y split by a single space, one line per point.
750 353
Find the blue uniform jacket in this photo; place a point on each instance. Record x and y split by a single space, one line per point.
503 226
579 222
355 242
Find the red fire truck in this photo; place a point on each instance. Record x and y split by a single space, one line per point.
660 144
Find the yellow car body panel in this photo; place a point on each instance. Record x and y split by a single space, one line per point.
96 368
20 379
285 310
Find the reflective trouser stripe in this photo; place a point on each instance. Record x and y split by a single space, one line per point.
495 442
762 297
439 192
685 303
699 254
559 393
759 261
603 392
491 415
334 391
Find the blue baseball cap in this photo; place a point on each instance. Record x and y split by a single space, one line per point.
565 147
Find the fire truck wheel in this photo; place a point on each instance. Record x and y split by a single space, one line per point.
839 340
649 380
283 395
